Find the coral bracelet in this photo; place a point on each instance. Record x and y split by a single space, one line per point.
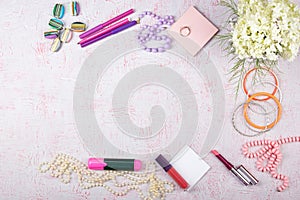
270 152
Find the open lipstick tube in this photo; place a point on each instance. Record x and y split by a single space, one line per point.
240 172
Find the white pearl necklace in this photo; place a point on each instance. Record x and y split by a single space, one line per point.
62 167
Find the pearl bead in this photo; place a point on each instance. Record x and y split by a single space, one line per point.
63 166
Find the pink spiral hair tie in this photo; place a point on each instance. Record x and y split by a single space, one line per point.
269 152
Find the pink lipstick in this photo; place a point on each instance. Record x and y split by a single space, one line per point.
240 172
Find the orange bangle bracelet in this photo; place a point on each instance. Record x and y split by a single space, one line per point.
278 112
245 79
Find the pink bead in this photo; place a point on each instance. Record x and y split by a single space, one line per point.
266 142
273 150
261 151
245 146
280 189
276 145
258 165
273 143
270 165
272 169
274 175
265 156
278 160
260 169
273 156
266 148
246 154
272 172
281 176
286 140
259 160
279 156
274 166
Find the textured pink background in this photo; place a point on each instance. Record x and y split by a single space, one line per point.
36 111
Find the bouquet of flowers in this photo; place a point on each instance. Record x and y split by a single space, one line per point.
262 32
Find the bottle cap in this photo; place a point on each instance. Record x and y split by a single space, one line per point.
96 164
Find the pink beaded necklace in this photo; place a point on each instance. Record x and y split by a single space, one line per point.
271 152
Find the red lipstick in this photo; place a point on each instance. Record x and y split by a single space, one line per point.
162 161
222 159
241 173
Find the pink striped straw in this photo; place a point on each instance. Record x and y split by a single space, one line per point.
109 22
104 31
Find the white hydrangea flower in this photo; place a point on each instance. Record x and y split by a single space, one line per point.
267 29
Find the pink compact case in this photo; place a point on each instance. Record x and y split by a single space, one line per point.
192 30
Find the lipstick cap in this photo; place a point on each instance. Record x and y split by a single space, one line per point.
163 162
247 175
96 164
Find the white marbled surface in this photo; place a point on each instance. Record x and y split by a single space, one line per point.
36 109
